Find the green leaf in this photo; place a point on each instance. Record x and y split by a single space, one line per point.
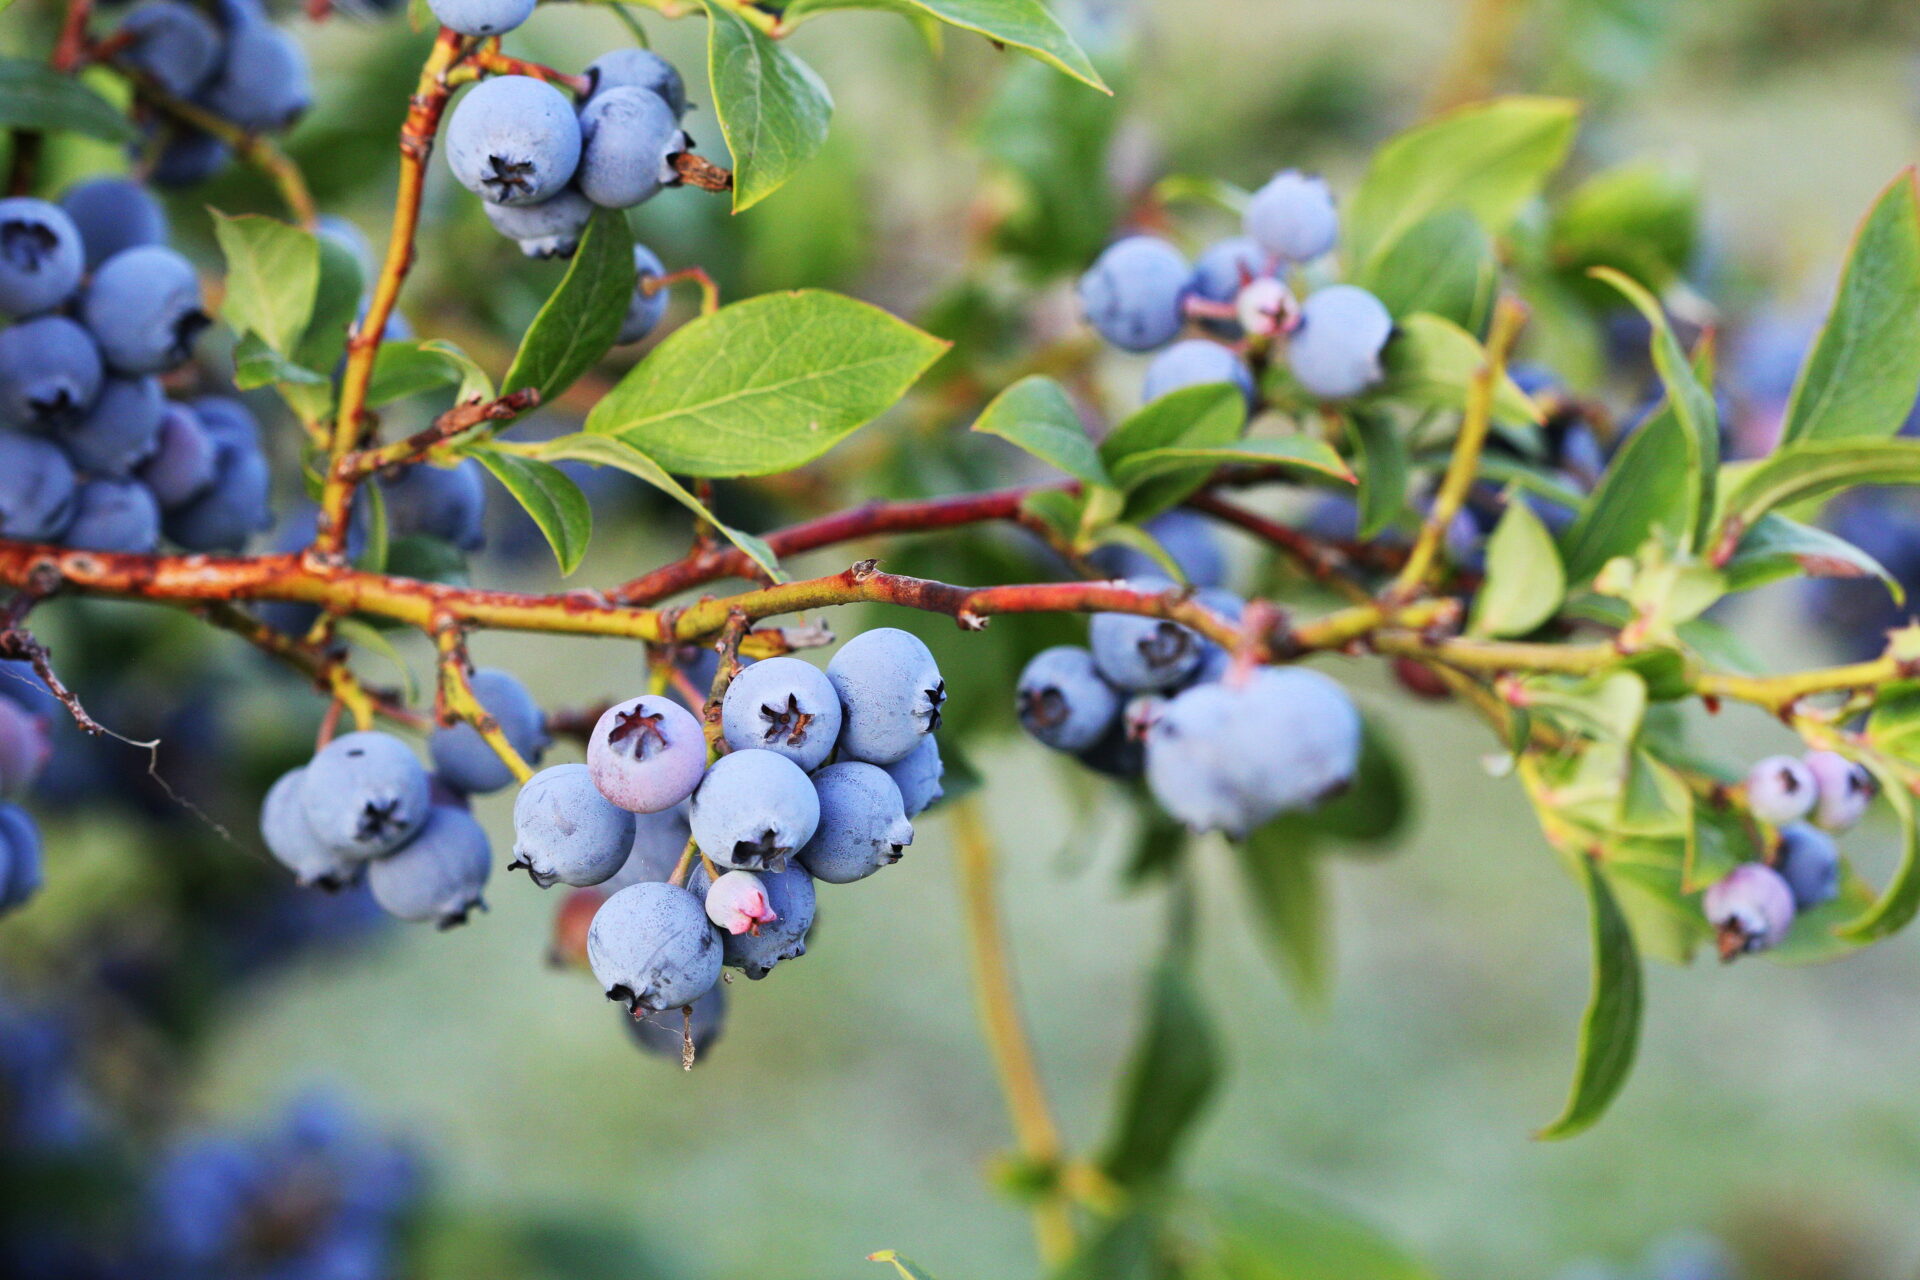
1173 1073
34 96
1525 580
405 369
256 365
1281 870
1131 1246
1610 1031
1036 414
1863 372
555 503
773 109
1900 900
1055 508
1810 469
1646 490
1444 265
607 451
1382 455
1295 1236
765 385
1639 219
1431 362
1776 548
578 323
1608 708
336 303
1025 25
905 1267
273 277
1893 727
1379 804
1212 414
1489 159
1305 452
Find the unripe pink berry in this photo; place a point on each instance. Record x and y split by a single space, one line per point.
737 902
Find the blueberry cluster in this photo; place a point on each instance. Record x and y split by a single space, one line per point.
93 455
1809 798
24 751
228 59
822 773
365 805
1141 292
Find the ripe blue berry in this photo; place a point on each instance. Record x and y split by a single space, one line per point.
1140 653
262 84
665 1034
918 775
173 43
49 373
647 753
1810 864
234 507
283 825
41 256
641 69
24 747
652 947
1292 217
1229 266
481 17
365 795
550 229
628 138
1781 789
1750 909
658 841
188 157
1335 351
737 902
37 489
1186 536
228 420
114 515
513 140
439 874
122 428
462 756
754 810
20 873
112 214
647 308
1228 757
1195 362
143 306
890 694
790 894
1133 293
1063 700
863 823
785 706
1845 790
182 465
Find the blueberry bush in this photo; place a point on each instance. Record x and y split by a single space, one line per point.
1399 386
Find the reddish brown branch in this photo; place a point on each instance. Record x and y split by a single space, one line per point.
454 422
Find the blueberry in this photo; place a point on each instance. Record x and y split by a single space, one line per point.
283 825
462 756
1195 362
1141 653
481 17
37 489
785 706
652 947
1750 909
188 157
513 140
1229 266
447 503
647 753
890 694
262 84
182 465
49 373
20 839
1187 536
41 256
1215 659
737 902
1335 351
754 810
112 214
1133 293
365 794
550 229
1228 757
114 515
1062 699
1292 217
122 428
24 747
1781 789
790 894
143 306
658 841
1845 790
565 831
644 312
863 823
918 775
664 1034
173 43
628 138
228 420
1809 863
439 874
641 69
233 508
